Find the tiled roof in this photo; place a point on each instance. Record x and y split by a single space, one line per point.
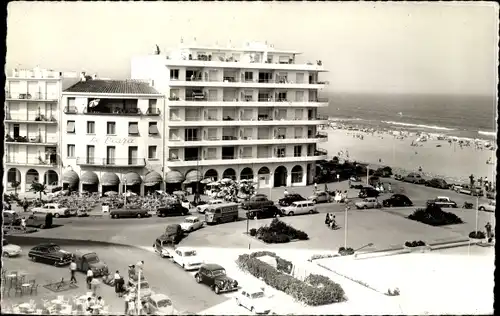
112 86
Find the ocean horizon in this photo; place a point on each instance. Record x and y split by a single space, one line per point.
469 116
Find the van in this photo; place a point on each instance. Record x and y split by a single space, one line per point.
11 218
299 207
227 212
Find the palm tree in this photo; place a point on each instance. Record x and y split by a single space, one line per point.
38 187
15 184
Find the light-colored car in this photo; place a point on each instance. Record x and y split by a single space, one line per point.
186 204
159 304
202 208
443 201
299 207
187 258
55 209
320 197
145 288
490 206
191 223
368 203
255 300
10 250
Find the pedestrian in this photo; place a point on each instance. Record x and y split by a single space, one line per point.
139 265
117 277
126 305
286 192
100 301
72 269
23 223
88 305
327 219
95 285
131 307
488 230
349 183
90 276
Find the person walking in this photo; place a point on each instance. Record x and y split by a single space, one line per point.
72 269
90 276
117 278
315 187
488 230
286 192
23 223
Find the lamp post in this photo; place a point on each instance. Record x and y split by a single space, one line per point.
367 174
345 227
477 211
139 304
270 187
125 194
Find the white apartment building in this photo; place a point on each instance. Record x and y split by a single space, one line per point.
112 136
32 119
240 113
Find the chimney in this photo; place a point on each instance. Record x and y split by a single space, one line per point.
82 76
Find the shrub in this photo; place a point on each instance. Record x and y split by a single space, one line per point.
414 243
346 251
395 292
253 232
316 290
48 220
282 265
279 232
434 216
477 235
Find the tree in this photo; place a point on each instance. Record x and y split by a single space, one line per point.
38 187
15 184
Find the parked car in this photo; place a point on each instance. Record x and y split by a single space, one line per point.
442 201
437 183
255 300
191 223
355 178
174 233
11 218
36 220
490 206
164 246
159 304
368 192
256 202
374 181
456 187
86 259
187 258
55 209
216 278
264 212
10 250
145 287
320 197
397 200
491 195
128 213
172 209
290 198
474 191
202 208
50 253
300 207
369 202
413 178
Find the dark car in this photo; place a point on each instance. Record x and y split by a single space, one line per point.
264 212
50 253
290 198
368 192
413 178
36 220
374 181
86 259
173 233
215 276
397 200
437 183
256 202
128 212
356 186
172 209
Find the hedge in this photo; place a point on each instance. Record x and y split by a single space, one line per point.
315 290
414 243
477 235
278 232
434 216
346 251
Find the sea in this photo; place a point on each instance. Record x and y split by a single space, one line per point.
453 115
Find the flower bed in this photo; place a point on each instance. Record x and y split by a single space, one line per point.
434 216
415 245
477 235
315 290
346 251
278 232
322 256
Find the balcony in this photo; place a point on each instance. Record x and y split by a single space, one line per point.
238 102
29 161
70 110
230 62
33 96
153 112
111 162
25 140
112 111
39 119
235 82
278 121
229 140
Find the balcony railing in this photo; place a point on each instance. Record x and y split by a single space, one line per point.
320 152
229 157
39 118
153 112
229 137
70 110
32 96
193 118
237 99
111 162
231 79
321 135
192 158
233 138
321 117
30 140
39 161
113 111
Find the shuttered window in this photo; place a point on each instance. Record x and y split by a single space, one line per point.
70 127
133 128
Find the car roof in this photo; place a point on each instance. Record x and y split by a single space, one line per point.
192 217
252 289
84 251
217 200
183 249
443 197
212 266
159 297
48 244
9 211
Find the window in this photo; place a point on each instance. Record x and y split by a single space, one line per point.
153 128
174 74
152 107
111 128
297 151
152 152
211 153
191 134
71 151
173 154
299 96
70 127
110 155
280 152
174 95
71 102
300 77
90 154
248 76
90 127
133 128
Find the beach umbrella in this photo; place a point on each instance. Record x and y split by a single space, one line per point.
226 180
206 181
213 184
111 193
129 194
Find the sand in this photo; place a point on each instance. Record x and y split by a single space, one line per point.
448 161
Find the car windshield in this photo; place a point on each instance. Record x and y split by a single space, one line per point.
92 258
257 294
190 253
53 248
164 303
189 220
219 272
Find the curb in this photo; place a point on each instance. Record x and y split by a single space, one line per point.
28 240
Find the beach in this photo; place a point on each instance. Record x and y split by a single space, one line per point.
449 161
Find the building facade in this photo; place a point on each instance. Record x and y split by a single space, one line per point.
240 113
32 121
112 136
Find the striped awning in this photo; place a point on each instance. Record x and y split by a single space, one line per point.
110 178
152 178
71 178
132 178
174 176
193 176
90 177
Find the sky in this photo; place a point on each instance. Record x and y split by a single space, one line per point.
426 48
